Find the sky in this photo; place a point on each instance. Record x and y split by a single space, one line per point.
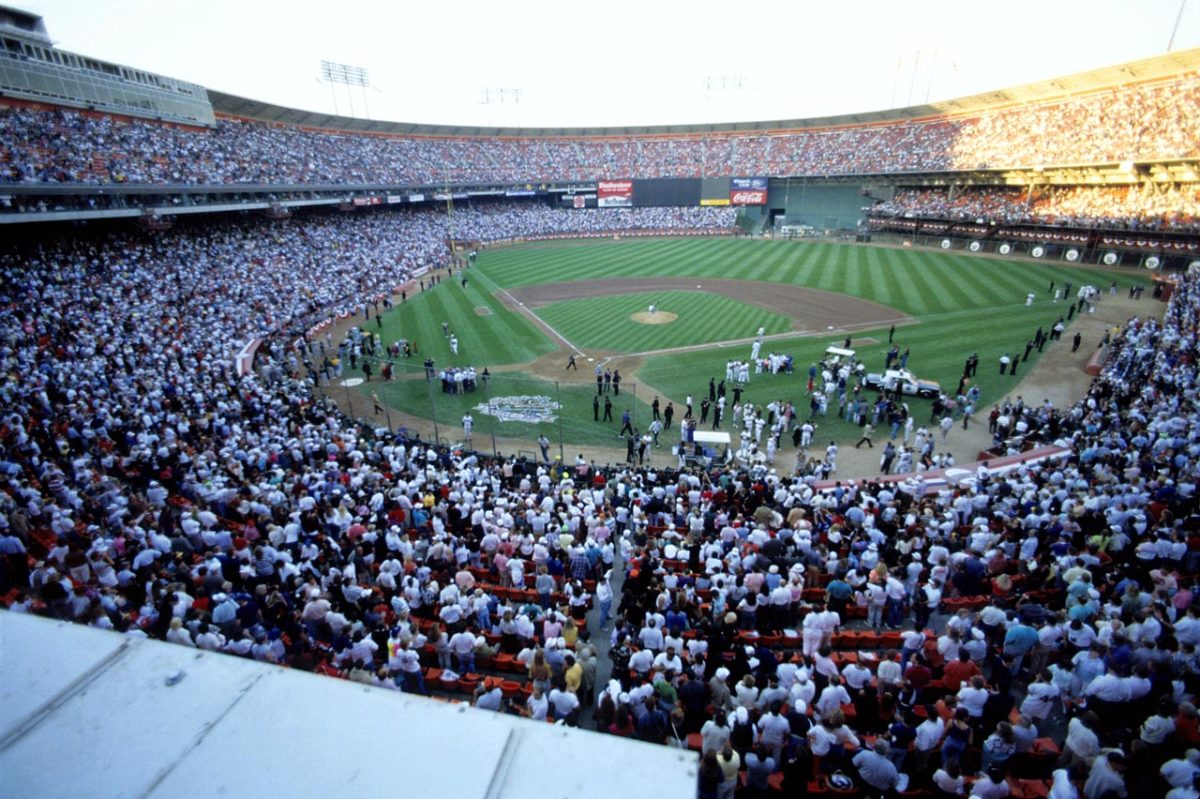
529 63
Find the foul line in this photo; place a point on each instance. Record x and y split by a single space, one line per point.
529 313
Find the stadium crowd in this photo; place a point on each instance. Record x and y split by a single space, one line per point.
149 489
493 221
1134 208
1130 122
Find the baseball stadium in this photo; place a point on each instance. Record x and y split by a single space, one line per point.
849 455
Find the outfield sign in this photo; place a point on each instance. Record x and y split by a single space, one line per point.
715 201
614 194
530 409
748 191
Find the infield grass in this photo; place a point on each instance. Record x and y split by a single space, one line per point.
605 322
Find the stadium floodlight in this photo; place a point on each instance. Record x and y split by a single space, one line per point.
346 75
502 98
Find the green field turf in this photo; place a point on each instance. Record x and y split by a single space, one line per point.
606 323
917 282
938 351
426 400
500 337
962 304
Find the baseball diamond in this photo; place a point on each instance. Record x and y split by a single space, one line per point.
804 296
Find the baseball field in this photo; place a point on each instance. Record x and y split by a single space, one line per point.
526 309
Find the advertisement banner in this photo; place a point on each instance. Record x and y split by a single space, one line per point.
614 194
748 191
416 198
520 193
580 202
722 201
392 199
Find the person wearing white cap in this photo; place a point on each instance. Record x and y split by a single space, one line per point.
604 596
718 687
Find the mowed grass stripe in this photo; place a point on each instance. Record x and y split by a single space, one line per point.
914 298
763 263
885 282
809 260
604 322
943 275
974 286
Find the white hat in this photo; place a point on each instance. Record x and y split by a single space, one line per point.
800 706
742 715
722 673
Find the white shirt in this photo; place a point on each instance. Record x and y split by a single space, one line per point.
972 699
1082 741
1108 687
833 697
1178 772
929 734
538 707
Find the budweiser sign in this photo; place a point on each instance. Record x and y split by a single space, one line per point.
614 194
748 198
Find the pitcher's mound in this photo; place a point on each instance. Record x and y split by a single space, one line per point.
656 318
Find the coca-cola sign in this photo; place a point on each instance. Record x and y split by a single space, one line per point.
748 198
748 191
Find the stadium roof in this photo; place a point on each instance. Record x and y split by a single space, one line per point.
97 713
1150 69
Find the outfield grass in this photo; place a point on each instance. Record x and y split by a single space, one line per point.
488 333
938 351
918 282
606 323
962 304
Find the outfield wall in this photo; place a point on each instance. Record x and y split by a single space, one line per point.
824 207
